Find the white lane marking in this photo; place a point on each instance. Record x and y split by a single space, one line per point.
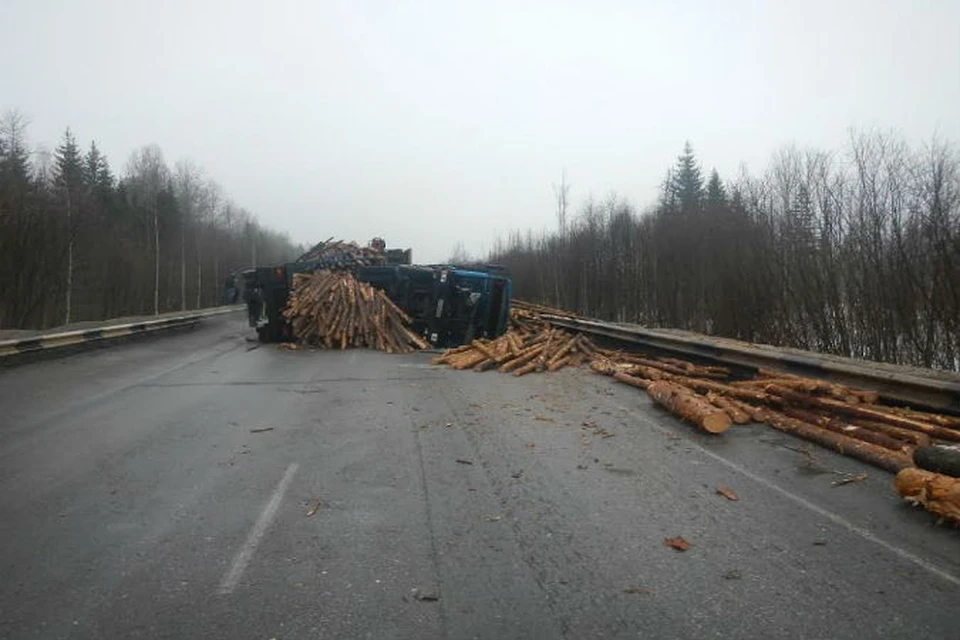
245 554
803 502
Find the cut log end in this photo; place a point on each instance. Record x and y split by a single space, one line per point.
688 405
937 493
715 422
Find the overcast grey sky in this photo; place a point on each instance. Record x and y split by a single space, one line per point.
429 123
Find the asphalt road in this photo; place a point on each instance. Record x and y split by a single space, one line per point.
393 499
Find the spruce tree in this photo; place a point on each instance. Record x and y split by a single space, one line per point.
68 178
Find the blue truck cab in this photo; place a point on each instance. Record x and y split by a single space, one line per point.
477 306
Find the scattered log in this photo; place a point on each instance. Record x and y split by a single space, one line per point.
860 411
945 460
723 389
530 367
468 360
950 422
823 386
757 414
526 356
732 409
633 381
689 406
485 365
485 350
692 370
586 346
603 366
892 461
542 358
846 420
556 365
563 351
938 494
914 437
853 431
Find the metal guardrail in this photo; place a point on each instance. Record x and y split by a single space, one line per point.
939 390
70 338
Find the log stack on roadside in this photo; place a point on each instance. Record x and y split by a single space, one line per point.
849 421
525 348
335 310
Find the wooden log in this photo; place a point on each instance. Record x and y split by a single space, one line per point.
892 461
516 344
530 367
474 358
938 494
563 351
945 460
757 382
485 365
853 431
603 366
528 355
824 386
633 381
950 422
736 413
456 350
556 365
671 368
704 386
586 345
689 406
691 367
651 373
757 414
484 349
788 396
578 358
914 437
545 354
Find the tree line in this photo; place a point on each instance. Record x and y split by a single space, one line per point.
78 242
853 252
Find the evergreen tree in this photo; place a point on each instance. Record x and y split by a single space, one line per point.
716 193
96 170
68 172
68 178
687 180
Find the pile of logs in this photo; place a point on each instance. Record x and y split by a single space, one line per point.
337 254
522 351
534 308
525 321
335 310
850 421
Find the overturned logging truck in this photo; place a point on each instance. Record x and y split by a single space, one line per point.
446 305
